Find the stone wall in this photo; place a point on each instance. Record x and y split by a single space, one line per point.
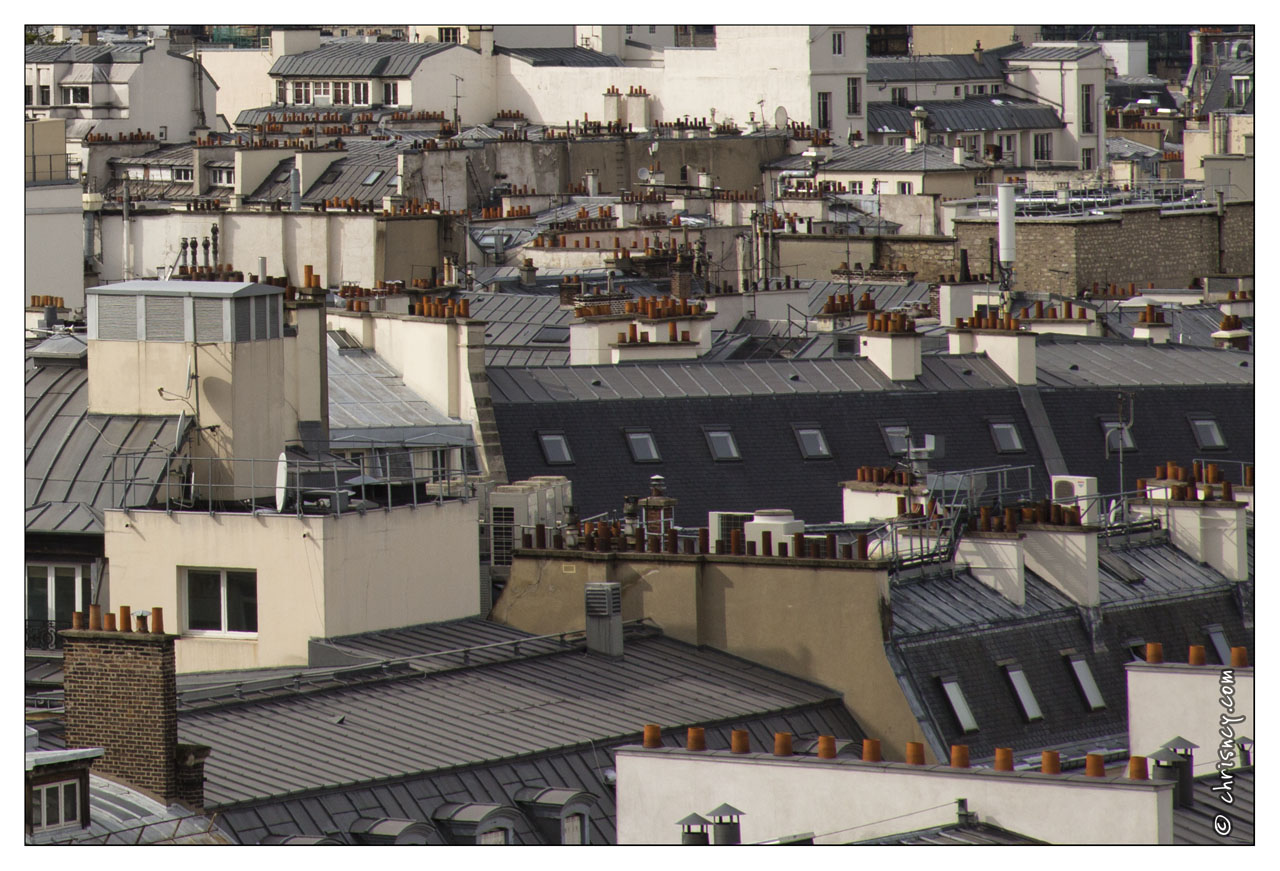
931 258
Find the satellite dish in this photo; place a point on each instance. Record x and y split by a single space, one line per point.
177 436
282 483
643 173
780 118
190 376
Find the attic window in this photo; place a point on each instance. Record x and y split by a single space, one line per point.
1117 436
331 175
896 438
722 445
813 444
552 334
373 177
959 706
1220 645
555 448
55 805
1021 686
643 448
1208 434
1006 437
1088 686
1137 649
282 177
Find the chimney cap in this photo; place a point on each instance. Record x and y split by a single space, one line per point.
726 810
1164 755
1179 743
694 820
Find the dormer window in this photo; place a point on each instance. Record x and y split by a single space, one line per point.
560 815
301 93
55 806
76 95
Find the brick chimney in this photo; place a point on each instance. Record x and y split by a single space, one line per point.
682 277
121 695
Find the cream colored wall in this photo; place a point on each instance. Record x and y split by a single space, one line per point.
1173 700
242 77
1066 558
830 616
959 38
1195 145
843 801
54 239
317 576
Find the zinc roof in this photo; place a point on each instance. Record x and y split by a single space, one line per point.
366 393
120 815
385 59
567 56
937 67
1061 362
884 158
1053 52
1196 824
981 113
95 54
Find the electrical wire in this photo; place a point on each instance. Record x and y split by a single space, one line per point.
864 825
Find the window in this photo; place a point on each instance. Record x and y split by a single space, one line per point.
282 92
1030 707
55 805
449 34
373 177
905 187
899 96
76 94
321 89
855 187
630 28
360 93
221 601
555 448
837 43
224 177
722 445
896 438
301 93
181 174
1088 686
995 89
31 94
1006 437
824 110
1086 158
1007 146
813 444
390 93
575 827
653 28
342 93
643 448
502 534
493 836
1241 87
979 90
957 90
959 707
1208 434
46 95
1044 146
1220 645
1117 436
853 90
1086 108
1137 649
972 143
53 592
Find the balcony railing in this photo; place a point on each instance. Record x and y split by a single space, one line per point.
43 634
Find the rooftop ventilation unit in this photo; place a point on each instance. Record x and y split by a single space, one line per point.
604 618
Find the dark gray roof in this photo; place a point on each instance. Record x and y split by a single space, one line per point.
1221 93
976 113
884 158
961 601
430 722
1192 324
442 638
387 59
954 835
120 815
165 155
365 394
937 67
569 56
1119 148
1195 825
69 453
344 178
105 53
1049 51
1064 361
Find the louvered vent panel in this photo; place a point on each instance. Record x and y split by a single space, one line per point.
260 317
208 315
164 319
603 600
118 318
273 317
243 314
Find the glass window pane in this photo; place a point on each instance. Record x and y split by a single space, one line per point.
1220 645
1118 436
723 447
242 601
812 443
51 815
960 706
1207 433
897 437
1087 684
70 802
64 593
573 829
556 449
204 600
1006 437
1022 687
643 447
37 593
37 807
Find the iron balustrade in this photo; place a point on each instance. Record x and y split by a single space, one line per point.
43 634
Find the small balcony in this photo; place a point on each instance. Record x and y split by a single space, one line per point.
43 634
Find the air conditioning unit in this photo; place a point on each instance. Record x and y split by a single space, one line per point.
1080 491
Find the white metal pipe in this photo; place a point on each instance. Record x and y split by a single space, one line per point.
1004 211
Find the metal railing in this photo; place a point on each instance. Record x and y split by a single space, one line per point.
913 541
146 833
47 169
992 485
43 634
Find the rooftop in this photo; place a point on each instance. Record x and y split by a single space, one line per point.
884 158
938 67
384 59
567 56
1052 51
975 113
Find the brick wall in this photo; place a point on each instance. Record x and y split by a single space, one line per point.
1137 245
121 695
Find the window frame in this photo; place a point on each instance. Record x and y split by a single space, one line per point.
1042 153
899 95
1017 676
543 435
360 93
184 593
342 93
1086 683
1218 641
45 93
38 791
853 97
709 431
1087 119
82 588
954 694
629 432
906 188
799 428
71 92
837 43
1087 161
855 187
391 93
449 35
824 110
31 95
1113 425
885 426
1199 417
372 178
1017 435
301 92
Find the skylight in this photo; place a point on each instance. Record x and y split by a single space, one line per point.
1220 645
1021 686
1208 434
1006 437
896 438
1117 435
959 706
1088 686
813 444
373 176
643 448
722 444
555 447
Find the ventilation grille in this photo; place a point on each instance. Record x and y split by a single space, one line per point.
244 315
118 318
260 317
208 315
273 316
164 319
603 600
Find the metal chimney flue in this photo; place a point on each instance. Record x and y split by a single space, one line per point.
604 618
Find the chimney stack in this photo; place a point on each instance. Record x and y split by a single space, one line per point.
121 695
726 830
529 273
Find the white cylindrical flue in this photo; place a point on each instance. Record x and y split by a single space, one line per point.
1004 210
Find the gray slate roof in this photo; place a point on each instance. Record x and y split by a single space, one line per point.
68 453
979 113
1221 91
567 56
367 397
473 716
1062 361
883 158
105 53
954 835
1195 825
445 639
387 59
937 67
1119 148
1054 52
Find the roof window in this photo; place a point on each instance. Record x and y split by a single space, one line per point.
722 445
1088 686
1117 436
1207 432
897 438
1006 437
1220 645
1022 687
373 177
555 448
643 448
959 706
813 444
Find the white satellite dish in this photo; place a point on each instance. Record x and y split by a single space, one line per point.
177 436
780 118
643 173
282 482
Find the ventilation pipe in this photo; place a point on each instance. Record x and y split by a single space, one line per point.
295 190
726 830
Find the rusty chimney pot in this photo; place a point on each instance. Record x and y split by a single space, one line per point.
124 621
1239 657
95 617
1050 763
1195 654
826 747
697 739
915 753
157 621
1094 766
77 619
871 750
1004 759
739 741
959 755
652 735
1155 652
108 622
1137 768
781 743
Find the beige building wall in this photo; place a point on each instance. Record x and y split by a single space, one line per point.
830 616
316 576
960 38
241 74
845 800
1208 705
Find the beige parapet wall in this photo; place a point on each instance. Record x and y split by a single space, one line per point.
1209 705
